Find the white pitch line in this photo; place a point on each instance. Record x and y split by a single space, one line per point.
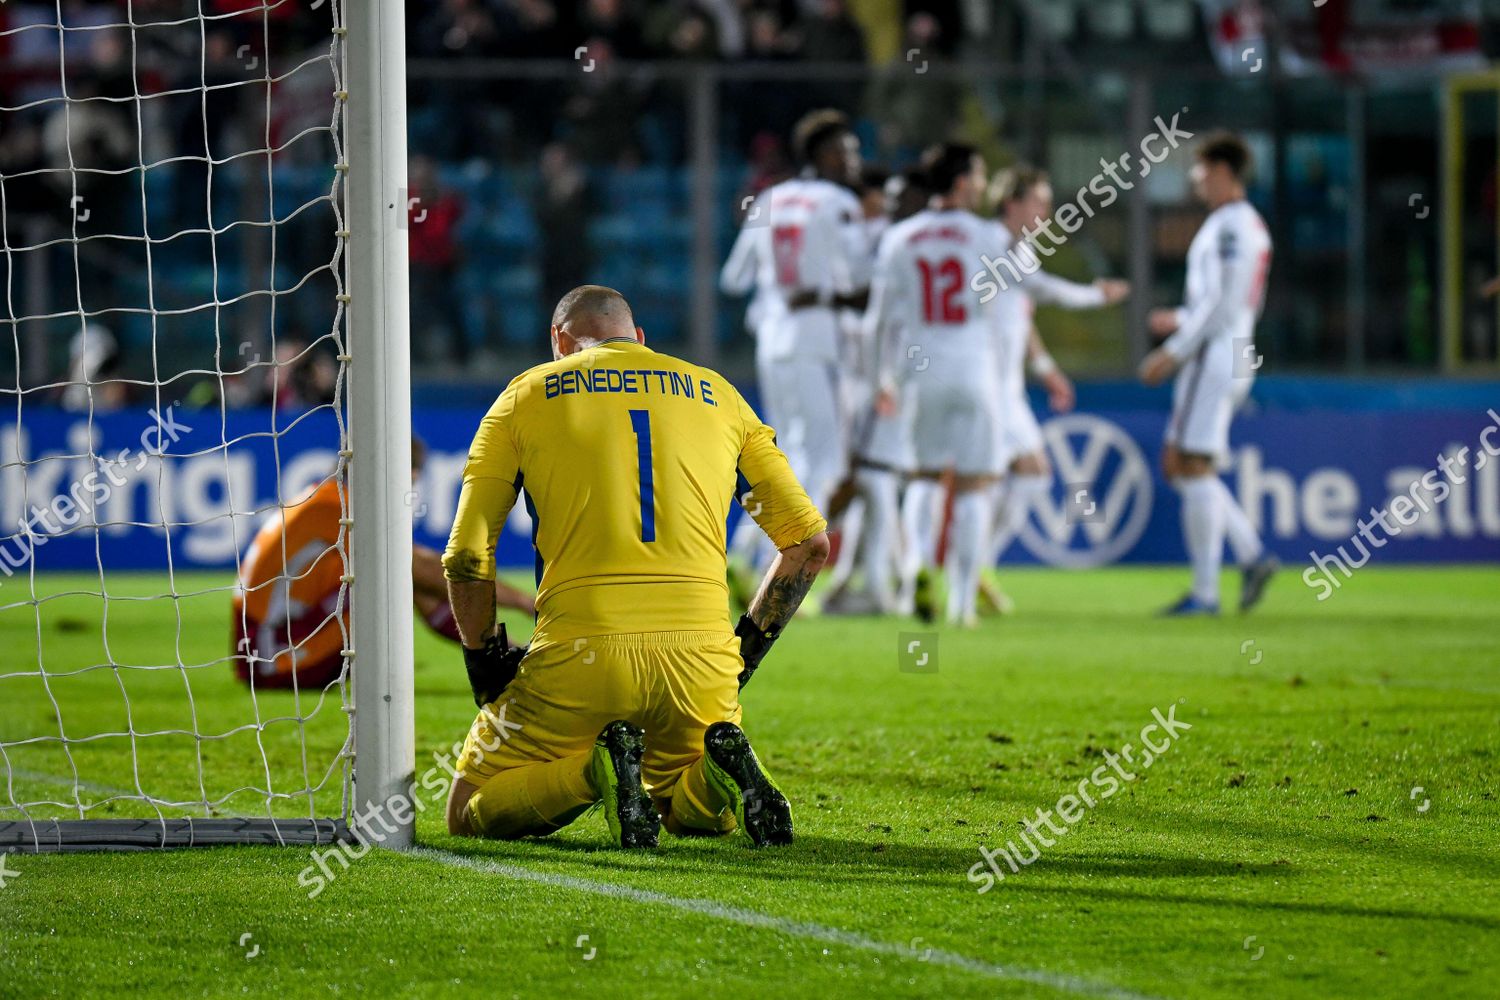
782 925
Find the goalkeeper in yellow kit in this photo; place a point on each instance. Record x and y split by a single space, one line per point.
628 694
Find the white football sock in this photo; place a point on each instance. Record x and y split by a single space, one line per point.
1243 538
881 534
1203 531
850 527
969 545
919 527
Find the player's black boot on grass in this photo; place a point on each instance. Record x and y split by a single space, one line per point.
1254 579
735 772
615 773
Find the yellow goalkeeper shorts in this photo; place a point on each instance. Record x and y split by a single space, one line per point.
674 685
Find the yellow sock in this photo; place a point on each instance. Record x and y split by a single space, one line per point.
696 806
532 800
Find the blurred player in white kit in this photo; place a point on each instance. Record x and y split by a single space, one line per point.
879 453
803 249
1209 343
937 369
1022 196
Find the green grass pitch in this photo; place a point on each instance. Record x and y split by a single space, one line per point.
1328 827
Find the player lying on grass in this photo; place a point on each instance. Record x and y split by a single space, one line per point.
629 460
287 623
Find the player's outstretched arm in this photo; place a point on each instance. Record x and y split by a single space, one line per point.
1050 290
737 277
786 583
1060 393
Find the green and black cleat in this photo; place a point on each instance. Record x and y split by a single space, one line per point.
735 772
1254 580
615 772
925 597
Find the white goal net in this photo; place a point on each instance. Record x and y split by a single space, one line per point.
176 565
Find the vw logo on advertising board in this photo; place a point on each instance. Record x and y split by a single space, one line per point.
1097 460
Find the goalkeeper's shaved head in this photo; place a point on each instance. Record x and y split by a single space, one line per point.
590 315
594 304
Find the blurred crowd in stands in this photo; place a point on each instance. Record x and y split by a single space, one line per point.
562 184
568 159
819 30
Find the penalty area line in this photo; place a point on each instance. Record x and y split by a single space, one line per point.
781 925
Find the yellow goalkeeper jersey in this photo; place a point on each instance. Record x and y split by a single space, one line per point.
629 460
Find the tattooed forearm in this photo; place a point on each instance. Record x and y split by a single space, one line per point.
790 578
779 598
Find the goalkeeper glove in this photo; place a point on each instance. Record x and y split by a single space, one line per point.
492 666
754 644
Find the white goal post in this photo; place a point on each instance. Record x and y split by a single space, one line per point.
129 736
380 415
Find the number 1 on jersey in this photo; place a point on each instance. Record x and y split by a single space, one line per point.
640 422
